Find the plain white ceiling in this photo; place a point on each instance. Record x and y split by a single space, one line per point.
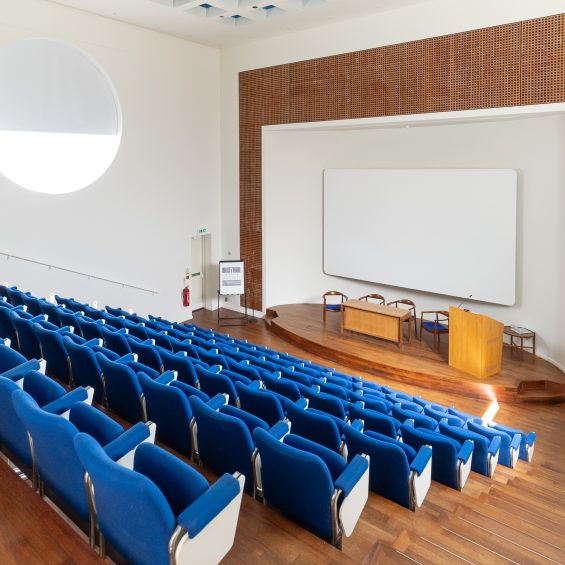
212 22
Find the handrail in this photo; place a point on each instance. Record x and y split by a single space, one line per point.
74 272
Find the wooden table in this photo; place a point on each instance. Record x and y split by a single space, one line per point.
375 320
521 336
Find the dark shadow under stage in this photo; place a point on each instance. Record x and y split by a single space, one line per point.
524 377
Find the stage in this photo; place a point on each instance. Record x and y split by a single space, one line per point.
524 378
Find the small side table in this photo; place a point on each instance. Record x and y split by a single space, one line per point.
514 335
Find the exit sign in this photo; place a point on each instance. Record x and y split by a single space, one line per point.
201 231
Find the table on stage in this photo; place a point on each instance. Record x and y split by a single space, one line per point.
375 320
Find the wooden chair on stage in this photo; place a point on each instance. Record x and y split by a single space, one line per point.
380 299
332 306
412 308
439 325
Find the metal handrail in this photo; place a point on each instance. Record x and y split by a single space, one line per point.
75 272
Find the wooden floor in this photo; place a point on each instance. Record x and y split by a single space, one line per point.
524 377
518 517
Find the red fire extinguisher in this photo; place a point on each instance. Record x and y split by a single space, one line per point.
186 296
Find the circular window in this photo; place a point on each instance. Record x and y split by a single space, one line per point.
60 120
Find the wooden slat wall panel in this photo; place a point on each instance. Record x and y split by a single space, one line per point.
319 89
543 60
509 65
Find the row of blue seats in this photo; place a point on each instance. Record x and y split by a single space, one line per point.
139 487
342 395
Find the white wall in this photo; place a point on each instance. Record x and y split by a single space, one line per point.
428 19
134 224
292 208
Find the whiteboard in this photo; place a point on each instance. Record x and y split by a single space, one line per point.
232 277
446 231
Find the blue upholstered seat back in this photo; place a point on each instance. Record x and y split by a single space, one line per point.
43 389
84 367
12 432
122 389
328 403
504 457
375 421
420 420
89 330
133 513
7 328
313 426
168 407
296 482
53 351
9 358
479 463
389 467
224 441
55 455
147 354
445 450
214 383
262 403
27 340
116 341
282 386
181 364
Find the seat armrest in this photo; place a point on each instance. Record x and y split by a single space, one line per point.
302 403
280 429
351 475
64 403
218 401
494 445
421 460
409 423
39 318
127 358
16 373
358 425
166 377
127 441
215 368
66 330
255 384
466 451
531 438
516 441
207 506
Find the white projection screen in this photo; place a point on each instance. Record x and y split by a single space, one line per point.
446 231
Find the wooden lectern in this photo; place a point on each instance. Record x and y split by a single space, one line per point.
475 343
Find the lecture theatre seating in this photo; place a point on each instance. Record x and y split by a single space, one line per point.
223 401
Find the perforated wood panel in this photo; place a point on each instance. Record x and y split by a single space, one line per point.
543 60
319 89
520 63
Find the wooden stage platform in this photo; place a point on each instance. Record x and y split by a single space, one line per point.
524 378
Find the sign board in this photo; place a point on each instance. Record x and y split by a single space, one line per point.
232 278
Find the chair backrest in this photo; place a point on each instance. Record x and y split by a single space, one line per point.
445 450
214 383
420 420
331 293
283 387
90 330
122 389
116 341
51 311
315 427
390 463
379 298
68 318
182 364
7 329
490 433
33 304
133 514
168 407
327 403
479 463
85 370
54 452
224 442
374 421
261 403
136 330
404 301
296 482
9 358
53 350
27 340
147 354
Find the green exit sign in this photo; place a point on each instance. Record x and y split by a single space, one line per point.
201 231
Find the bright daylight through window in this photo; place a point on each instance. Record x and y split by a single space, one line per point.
60 120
